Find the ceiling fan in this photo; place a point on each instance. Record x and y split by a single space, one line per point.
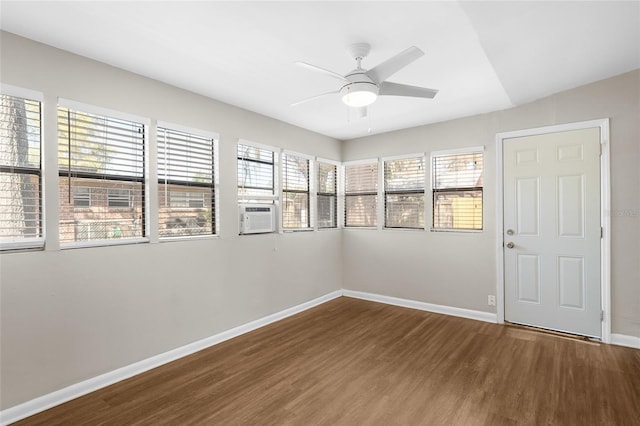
362 87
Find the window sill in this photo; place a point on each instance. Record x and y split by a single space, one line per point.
13 246
366 228
103 243
458 231
188 238
403 229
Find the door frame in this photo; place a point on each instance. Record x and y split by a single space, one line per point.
605 217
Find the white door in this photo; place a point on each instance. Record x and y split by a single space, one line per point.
552 231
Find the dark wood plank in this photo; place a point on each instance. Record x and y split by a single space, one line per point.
351 362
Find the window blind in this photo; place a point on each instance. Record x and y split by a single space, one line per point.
256 171
404 193
295 192
20 172
327 195
457 191
106 155
361 195
186 184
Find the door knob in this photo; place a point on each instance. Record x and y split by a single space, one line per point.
510 245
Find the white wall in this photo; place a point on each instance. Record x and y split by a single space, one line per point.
458 269
70 315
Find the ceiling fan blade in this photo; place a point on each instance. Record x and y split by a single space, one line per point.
392 65
395 89
322 70
315 97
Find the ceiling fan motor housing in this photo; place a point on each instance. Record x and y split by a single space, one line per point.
362 91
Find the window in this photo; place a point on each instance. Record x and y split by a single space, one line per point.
20 173
327 195
404 193
81 196
361 194
457 191
295 192
190 200
186 183
104 157
119 198
256 171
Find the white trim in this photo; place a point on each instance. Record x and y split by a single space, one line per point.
98 110
327 161
241 141
21 244
29 408
316 175
423 306
104 243
454 151
298 154
625 340
20 92
360 162
605 205
404 156
188 130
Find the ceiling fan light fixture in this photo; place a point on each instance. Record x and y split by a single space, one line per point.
359 94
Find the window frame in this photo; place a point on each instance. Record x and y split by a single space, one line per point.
38 242
88 196
450 152
214 185
310 191
143 180
273 198
375 193
385 192
335 194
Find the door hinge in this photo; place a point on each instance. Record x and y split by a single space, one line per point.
601 315
601 232
600 150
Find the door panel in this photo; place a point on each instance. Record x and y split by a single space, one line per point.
527 206
528 278
552 218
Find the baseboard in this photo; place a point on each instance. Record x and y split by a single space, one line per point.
34 406
625 340
423 306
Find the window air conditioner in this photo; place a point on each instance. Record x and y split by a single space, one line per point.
257 218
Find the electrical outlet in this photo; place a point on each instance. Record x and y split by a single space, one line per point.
491 300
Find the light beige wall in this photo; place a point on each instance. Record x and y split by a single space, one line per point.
458 269
70 315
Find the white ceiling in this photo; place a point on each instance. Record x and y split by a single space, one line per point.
482 56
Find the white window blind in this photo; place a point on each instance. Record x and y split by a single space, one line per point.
404 193
256 171
361 195
106 155
327 196
295 192
186 184
457 191
20 172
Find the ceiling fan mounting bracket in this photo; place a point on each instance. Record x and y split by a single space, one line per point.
359 50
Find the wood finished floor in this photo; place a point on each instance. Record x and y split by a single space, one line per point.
353 362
